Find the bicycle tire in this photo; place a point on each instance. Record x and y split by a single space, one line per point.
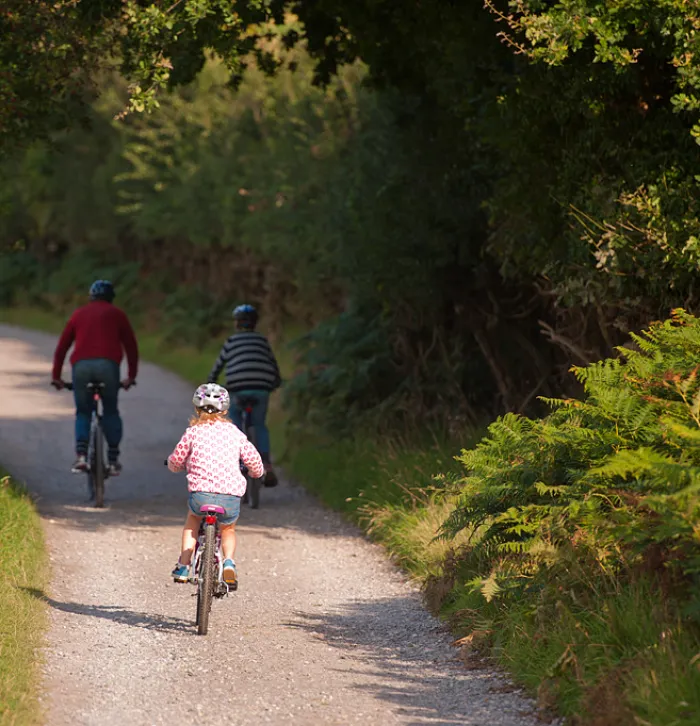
100 468
96 472
253 484
205 591
196 567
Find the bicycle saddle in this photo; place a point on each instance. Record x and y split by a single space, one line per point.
211 509
93 385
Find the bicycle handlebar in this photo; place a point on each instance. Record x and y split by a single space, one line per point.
68 385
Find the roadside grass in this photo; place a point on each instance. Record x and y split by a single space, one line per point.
370 471
33 318
408 531
23 570
619 656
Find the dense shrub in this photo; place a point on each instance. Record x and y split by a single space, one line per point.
603 487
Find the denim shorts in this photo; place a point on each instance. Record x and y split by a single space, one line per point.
230 502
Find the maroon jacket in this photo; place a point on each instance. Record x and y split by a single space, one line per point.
99 330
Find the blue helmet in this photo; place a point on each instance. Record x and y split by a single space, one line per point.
102 290
246 316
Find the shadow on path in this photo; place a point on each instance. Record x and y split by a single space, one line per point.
410 672
134 618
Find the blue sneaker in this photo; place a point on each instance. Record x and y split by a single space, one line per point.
181 573
230 576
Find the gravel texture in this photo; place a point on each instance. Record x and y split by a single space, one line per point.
323 630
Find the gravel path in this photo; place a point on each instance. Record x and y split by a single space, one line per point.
323 630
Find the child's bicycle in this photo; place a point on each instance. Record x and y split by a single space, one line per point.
207 566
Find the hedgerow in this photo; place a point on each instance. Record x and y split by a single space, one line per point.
604 487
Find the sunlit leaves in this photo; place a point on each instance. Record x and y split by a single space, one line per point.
50 52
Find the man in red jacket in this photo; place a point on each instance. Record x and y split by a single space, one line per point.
100 333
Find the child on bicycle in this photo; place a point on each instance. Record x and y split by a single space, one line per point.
251 370
211 450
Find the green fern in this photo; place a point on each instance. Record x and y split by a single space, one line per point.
597 484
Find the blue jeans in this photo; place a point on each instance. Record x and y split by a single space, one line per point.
230 502
97 370
257 418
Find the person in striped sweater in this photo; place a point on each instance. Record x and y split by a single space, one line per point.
251 371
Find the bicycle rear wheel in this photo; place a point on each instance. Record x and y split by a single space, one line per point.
96 473
205 591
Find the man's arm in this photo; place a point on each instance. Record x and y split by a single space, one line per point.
131 348
218 365
64 343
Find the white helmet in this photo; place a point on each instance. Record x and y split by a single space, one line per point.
211 396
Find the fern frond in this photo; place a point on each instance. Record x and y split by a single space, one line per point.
490 587
598 480
553 491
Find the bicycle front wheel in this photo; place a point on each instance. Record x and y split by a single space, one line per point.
205 591
96 473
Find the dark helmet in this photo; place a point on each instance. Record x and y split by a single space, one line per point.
246 316
102 290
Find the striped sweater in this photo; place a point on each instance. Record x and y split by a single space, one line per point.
248 363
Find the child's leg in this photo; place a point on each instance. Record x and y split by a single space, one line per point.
189 537
228 540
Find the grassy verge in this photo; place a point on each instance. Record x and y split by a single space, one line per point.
619 656
22 614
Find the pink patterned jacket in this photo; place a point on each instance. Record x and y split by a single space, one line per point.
211 453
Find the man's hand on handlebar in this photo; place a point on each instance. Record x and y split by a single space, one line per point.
59 385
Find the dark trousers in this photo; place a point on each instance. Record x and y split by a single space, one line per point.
97 370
